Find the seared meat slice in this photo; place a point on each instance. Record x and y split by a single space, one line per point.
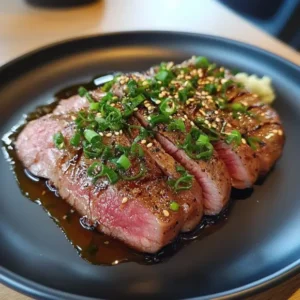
190 200
211 174
263 124
136 212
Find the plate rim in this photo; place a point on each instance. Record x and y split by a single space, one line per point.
32 288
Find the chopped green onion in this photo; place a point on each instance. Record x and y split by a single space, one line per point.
94 105
143 134
140 174
58 140
226 85
253 141
238 108
93 137
234 138
203 140
112 175
183 95
132 103
211 69
158 119
132 87
210 88
174 206
124 162
136 150
75 140
165 76
177 125
180 169
201 62
83 92
108 85
97 170
168 107
197 145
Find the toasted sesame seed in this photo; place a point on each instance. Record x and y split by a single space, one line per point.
73 118
100 133
157 102
117 133
145 83
162 88
109 134
72 211
143 141
206 122
185 116
106 242
166 213
149 118
121 131
229 125
244 141
147 104
216 112
218 119
280 132
64 217
202 112
43 193
124 200
149 145
122 81
214 125
113 104
192 123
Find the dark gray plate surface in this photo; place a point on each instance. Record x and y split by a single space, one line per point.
257 246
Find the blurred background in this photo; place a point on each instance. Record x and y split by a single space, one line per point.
28 24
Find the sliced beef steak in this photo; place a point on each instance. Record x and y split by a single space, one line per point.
144 222
190 200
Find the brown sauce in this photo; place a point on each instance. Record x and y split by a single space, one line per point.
93 246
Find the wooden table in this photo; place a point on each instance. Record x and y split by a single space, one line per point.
24 28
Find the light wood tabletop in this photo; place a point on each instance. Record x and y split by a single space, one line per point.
24 28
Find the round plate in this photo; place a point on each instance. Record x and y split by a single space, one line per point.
259 243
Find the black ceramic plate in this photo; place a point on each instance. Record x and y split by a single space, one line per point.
258 245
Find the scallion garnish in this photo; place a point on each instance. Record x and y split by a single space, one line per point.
226 85
75 140
124 162
83 92
174 206
97 170
234 138
165 76
238 108
211 88
58 140
177 125
253 141
94 105
184 182
158 119
201 62
197 145
140 173
168 107
93 137
136 150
